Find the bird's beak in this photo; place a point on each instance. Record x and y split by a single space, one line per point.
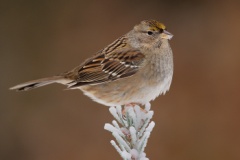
166 35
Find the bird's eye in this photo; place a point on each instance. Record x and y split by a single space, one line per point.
149 32
161 30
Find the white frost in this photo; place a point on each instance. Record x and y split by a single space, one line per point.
131 129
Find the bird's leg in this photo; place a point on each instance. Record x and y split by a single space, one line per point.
133 104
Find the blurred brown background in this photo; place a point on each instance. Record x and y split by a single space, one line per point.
197 120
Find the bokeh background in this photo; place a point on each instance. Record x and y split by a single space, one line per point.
197 120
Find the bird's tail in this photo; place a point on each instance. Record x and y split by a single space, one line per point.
39 83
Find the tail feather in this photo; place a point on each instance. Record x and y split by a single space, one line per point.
38 83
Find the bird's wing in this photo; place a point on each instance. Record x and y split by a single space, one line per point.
107 65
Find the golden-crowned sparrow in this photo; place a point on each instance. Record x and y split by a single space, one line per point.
135 68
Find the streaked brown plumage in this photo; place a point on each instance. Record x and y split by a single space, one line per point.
135 68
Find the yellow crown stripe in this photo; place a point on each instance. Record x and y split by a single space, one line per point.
155 25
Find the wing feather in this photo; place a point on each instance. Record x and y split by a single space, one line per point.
107 65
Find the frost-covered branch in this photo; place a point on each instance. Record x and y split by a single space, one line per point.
131 129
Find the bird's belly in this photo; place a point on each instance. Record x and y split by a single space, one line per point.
127 90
